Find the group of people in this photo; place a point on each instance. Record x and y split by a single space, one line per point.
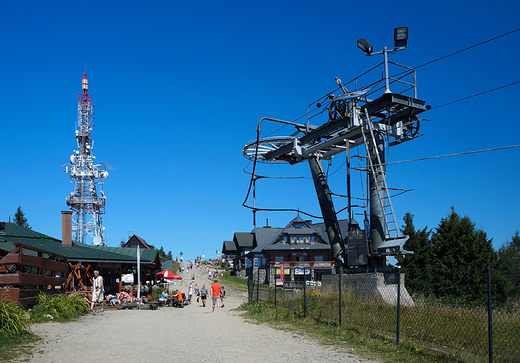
165 297
218 294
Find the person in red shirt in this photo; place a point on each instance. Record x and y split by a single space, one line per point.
215 295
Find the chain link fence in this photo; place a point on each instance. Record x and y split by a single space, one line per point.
465 313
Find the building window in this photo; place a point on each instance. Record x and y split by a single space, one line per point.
285 239
298 225
318 258
312 239
278 259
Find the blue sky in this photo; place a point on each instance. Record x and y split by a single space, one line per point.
179 87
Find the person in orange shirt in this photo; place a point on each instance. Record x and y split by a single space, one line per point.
215 295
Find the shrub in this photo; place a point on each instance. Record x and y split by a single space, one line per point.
156 292
60 306
13 319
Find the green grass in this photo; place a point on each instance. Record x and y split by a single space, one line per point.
233 281
61 307
354 339
429 332
17 346
16 341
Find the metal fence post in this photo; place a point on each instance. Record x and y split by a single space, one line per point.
275 292
257 282
304 296
398 304
250 288
339 293
490 315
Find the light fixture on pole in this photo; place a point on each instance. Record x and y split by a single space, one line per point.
364 46
401 37
400 42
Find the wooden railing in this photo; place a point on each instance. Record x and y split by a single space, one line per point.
14 281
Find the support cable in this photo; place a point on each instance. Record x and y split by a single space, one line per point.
475 95
457 154
473 46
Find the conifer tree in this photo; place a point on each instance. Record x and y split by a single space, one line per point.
460 255
418 243
417 266
19 218
509 263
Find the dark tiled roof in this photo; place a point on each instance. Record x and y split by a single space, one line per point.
343 226
264 237
229 247
243 240
139 240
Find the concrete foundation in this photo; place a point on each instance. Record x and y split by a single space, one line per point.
376 285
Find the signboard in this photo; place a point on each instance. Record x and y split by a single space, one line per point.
282 272
300 271
128 279
286 271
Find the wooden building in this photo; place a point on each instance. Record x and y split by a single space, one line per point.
81 261
300 251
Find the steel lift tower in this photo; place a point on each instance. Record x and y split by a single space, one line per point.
355 119
87 201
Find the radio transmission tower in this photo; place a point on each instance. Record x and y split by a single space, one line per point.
87 201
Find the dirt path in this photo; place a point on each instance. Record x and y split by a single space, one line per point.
191 334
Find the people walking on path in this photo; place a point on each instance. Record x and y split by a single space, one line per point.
203 295
190 291
97 291
222 296
215 295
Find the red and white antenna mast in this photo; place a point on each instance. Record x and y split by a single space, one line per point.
86 204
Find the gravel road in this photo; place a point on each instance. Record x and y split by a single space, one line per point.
190 334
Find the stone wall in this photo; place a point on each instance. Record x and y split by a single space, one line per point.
376 285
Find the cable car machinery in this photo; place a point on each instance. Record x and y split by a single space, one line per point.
353 120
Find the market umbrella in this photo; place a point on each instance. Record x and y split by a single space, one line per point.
169 275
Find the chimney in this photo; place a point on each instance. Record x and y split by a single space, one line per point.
66 228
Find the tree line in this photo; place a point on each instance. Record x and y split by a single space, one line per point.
450 262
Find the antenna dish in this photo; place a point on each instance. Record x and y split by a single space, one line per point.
97 240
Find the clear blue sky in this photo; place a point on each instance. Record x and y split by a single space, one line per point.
179 87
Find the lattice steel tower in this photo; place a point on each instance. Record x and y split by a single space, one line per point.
86 204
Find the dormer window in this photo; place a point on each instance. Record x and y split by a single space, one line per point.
298 225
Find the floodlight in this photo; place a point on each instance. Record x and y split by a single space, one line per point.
401 37
364 46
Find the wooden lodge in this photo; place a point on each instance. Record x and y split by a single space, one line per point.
31 263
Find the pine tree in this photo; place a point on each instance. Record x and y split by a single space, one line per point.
509 263
19 218
460 255
418 243
417 267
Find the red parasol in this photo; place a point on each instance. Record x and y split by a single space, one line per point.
168 275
